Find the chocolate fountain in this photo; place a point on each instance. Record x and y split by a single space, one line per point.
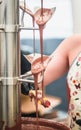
10 78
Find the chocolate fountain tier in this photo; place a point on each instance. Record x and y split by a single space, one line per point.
43 124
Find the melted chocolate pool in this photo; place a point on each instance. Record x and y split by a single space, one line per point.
44 124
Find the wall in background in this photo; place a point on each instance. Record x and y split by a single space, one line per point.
76 9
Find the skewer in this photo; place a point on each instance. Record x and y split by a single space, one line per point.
26 28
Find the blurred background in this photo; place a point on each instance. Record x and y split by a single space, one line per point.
65 22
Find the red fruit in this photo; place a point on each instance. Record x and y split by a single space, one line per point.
45 103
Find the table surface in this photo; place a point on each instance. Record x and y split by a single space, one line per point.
28 106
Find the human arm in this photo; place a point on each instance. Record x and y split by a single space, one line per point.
57 66
62 58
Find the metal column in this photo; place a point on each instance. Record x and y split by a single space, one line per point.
9 64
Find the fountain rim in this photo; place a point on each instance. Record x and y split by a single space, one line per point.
44 122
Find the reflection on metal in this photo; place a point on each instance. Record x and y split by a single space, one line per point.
9 63
9 28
